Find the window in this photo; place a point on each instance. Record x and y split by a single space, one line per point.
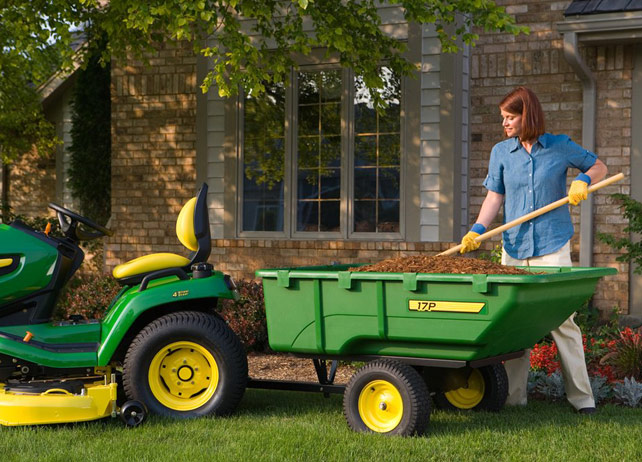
318 161
263 161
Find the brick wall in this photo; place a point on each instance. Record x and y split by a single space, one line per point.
153 151
32 185
501 62
242 257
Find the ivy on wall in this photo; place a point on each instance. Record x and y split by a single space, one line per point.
90 150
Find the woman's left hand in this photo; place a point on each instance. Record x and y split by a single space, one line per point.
577 192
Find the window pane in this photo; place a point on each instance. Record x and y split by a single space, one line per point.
365 117
389 183
331 119
307 216
365 150
331 184
389 150
365 183
263 160
331 86
331 151
263 215
319 151
330 213
308 120
388 217
308 185
364 216
377 161
308 88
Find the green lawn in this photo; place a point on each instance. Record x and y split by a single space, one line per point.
274 425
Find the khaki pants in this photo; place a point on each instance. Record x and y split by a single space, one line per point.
568 339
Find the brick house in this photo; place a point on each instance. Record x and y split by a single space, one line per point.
342 184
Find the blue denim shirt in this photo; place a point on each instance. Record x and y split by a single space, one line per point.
531 181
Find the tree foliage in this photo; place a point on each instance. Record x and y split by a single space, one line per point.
35 41
256 40
249 42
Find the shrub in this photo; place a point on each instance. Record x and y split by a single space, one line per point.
628 392
551 386
87 295
534 380
39 222
246 316
625 355
601 388
495 255
633 247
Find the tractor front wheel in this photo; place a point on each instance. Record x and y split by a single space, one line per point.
186 364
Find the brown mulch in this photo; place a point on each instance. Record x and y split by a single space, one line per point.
277 366
435 264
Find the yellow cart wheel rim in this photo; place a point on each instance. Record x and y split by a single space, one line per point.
380 406
183 376
470 396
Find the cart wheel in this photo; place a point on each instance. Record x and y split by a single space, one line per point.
186 364
486 389
387 396
133 413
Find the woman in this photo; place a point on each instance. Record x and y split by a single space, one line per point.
528 171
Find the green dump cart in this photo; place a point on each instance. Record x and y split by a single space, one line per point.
447 333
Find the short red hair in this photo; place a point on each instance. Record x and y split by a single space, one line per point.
522 101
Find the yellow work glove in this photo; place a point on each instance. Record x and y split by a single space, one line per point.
579 189
468 243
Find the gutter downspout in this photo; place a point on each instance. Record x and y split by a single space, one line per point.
571 53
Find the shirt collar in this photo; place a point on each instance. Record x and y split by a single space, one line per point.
543 140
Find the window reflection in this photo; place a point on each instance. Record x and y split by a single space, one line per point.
377 157
319 151
263 160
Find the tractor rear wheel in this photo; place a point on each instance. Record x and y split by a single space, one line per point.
186 364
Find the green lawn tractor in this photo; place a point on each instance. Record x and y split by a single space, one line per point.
160 343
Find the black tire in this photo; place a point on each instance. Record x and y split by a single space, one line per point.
133 413
486 390
186 364
389 397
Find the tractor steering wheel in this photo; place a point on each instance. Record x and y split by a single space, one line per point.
69 225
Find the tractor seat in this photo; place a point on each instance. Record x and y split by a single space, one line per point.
192 229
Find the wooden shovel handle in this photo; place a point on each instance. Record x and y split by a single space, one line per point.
531 215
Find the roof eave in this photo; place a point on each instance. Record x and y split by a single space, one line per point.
620 27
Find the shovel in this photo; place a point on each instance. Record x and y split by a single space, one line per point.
531 215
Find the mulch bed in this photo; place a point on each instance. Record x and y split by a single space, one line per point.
276 366
436 264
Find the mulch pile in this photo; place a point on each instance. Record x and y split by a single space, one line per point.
435 264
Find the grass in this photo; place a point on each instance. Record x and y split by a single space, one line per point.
278 426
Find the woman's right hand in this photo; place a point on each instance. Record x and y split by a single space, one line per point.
468 243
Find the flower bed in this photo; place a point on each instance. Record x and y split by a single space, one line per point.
614 363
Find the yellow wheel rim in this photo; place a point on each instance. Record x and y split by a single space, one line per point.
380 406
183 376
470 396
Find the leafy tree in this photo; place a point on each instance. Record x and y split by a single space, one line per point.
256 39
35 41
254 42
